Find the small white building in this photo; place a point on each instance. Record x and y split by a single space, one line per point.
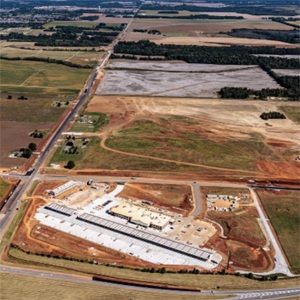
63 188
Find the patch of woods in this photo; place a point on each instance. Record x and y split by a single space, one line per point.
69 36
89 18
272 115
233 55
287 36
153 31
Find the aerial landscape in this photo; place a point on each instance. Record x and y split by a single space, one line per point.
149 149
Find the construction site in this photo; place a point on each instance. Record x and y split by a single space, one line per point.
96 212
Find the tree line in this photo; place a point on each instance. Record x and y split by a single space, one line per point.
234 55
190 17
272 115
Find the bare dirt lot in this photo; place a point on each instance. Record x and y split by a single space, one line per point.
200 132
168 196
158 83
245 239
178 67
15 135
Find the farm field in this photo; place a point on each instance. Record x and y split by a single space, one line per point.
200 28
160 83
292 113
43 75
283 210
71 23
72 56
221 41
159 133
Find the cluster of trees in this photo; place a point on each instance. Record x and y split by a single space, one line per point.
89 18
26 152
37 134
66 36
272 115
245 93
168 12
153 31
113 28
236 55
286 21
287 36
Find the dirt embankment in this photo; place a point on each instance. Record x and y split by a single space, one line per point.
245 240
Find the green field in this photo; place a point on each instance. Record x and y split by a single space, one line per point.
40 74
77 57
203 281
60 156
146 138
4 187
71 23
283 210
94 121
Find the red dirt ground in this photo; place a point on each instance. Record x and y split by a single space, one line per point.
165 196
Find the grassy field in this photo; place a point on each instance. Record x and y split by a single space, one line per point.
202 281
39 74
98 158
4 187
60 156
78 57
224 190
150 138
71 23
35 288
283 211
98 120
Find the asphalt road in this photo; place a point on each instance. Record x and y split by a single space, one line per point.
234 294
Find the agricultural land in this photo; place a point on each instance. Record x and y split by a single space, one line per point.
149 150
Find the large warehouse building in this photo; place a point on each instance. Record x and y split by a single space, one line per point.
140 216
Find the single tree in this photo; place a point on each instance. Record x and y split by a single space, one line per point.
32 146
70 164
